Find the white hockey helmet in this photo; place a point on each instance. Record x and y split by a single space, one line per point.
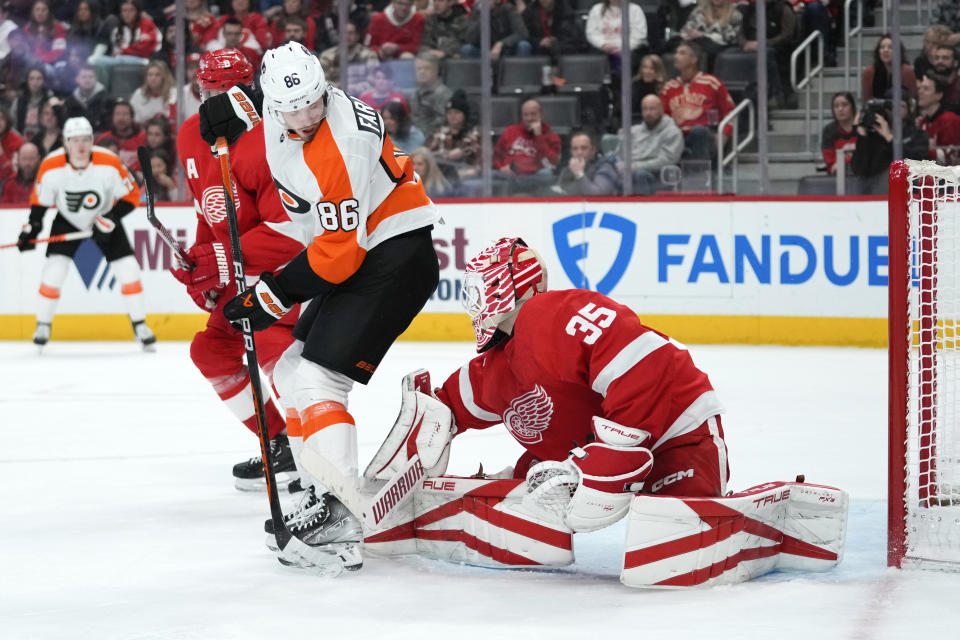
291 78
76 127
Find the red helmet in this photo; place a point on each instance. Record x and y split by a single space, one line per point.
496 282
222 69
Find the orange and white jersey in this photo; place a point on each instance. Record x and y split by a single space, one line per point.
83 194
350 185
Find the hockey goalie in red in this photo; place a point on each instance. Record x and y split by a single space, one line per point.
269 242
616 419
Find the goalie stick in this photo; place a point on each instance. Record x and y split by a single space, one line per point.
150 185
63 237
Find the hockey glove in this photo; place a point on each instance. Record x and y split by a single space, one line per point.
228 115
30 232
263 304
212 268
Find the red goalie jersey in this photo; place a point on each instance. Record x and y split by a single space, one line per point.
268 236
576 354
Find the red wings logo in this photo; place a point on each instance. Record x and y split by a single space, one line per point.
528 415
213 206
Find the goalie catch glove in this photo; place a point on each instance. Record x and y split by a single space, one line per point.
229 114
262 304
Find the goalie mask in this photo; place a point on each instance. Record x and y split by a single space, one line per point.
496 283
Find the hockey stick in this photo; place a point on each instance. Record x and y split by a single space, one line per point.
63 237
150 185
281 532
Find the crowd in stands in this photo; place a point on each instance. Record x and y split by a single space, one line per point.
113 61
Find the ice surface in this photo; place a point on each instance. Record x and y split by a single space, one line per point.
120 520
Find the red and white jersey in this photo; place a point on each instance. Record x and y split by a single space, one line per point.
349 186
83 194
576 354
267 235
689 104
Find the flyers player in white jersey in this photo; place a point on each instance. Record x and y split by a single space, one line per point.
603 405
91 190
368 271
269 240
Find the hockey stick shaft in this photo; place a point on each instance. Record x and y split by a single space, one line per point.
249 344
150 185
63 237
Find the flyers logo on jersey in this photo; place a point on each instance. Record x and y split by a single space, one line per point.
291 201
529 415
78 199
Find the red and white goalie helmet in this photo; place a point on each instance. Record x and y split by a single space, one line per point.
223 69
496 282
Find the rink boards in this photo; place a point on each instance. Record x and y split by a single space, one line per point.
715 270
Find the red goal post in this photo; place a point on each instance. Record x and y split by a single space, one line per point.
924 358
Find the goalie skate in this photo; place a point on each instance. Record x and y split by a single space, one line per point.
249 476
326 536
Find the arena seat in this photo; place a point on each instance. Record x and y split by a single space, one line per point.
504 111
125 79
562 113
522 75
737 69
583 72
817 186
461 73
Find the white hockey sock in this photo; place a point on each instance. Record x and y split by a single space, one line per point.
295 438
51 280
128 273
328 429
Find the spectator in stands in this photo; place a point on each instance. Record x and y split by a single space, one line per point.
160 165
10 142
649 79
945 64
203 25
86 30
289 9
435 181
527 153
357 54
656 142
947 13
233 38
603 30
874 148
457 143
26 106
674 14
840 133
64 78
191 91
294 30
428 104
158 136
132 41
696 101
7 27
815 16
395 32
157 94
941 126
444 29
781 36
876 79
46 38
588 173
252 22
17 189
47 134
128 134
508 33
89 99
553 29
109 143
935 36
398 125
713 25
381 79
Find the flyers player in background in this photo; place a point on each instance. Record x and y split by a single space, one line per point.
269 242
603 405
91 190
368 270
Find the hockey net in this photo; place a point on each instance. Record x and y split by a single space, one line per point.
924 357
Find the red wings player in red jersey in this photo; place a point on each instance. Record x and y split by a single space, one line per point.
269 242
604 405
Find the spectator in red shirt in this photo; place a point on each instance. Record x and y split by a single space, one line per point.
841 133
132 41
10 142
696 101
940 125
526 154
293 8
232 32
126 132
16 189
396 31
46 38
253 24
381 78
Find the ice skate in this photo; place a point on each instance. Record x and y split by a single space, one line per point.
42 335
326 536
143 333
248 476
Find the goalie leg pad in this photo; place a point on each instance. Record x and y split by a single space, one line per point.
675 542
